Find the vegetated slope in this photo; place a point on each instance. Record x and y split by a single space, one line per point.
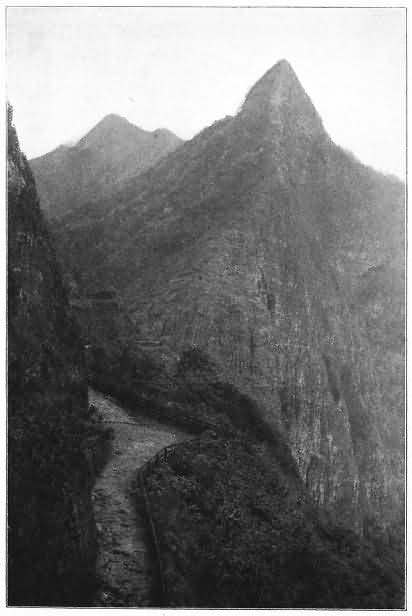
114 149
54 447
237 530
256 243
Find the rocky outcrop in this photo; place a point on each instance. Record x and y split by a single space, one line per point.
69 177
51 531
257 242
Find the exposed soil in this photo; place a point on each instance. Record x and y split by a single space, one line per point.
126 568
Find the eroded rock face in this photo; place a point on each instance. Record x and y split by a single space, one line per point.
256 242
51 541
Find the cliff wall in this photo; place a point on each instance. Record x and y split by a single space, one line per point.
51 537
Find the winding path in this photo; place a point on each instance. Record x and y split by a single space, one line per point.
125 566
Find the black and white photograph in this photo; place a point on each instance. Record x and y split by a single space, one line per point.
206 309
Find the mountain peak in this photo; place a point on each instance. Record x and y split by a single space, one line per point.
279 97
113 119
282 67
111 129
113 150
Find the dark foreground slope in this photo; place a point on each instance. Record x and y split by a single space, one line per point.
263 244
236 529
68 177
52 442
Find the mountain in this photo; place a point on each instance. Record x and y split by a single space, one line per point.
51 439
279 255
113 150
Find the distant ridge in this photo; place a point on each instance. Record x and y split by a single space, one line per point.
110 152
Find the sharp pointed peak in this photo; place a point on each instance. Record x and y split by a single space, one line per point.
282 66
278 94
279 75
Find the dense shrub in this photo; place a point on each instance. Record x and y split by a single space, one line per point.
237 530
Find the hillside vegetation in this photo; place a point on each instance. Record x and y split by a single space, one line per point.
236 529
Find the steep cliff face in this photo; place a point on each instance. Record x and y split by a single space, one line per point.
257 243
68 177
51 540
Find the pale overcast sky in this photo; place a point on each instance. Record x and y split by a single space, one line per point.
184 68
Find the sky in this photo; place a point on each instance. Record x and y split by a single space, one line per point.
184 68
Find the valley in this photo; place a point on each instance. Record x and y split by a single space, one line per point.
239 299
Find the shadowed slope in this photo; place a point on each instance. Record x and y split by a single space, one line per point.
51 532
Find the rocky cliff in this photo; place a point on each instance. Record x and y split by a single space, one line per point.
69 177
281 256
51 531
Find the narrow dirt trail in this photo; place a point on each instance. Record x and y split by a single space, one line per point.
125 566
